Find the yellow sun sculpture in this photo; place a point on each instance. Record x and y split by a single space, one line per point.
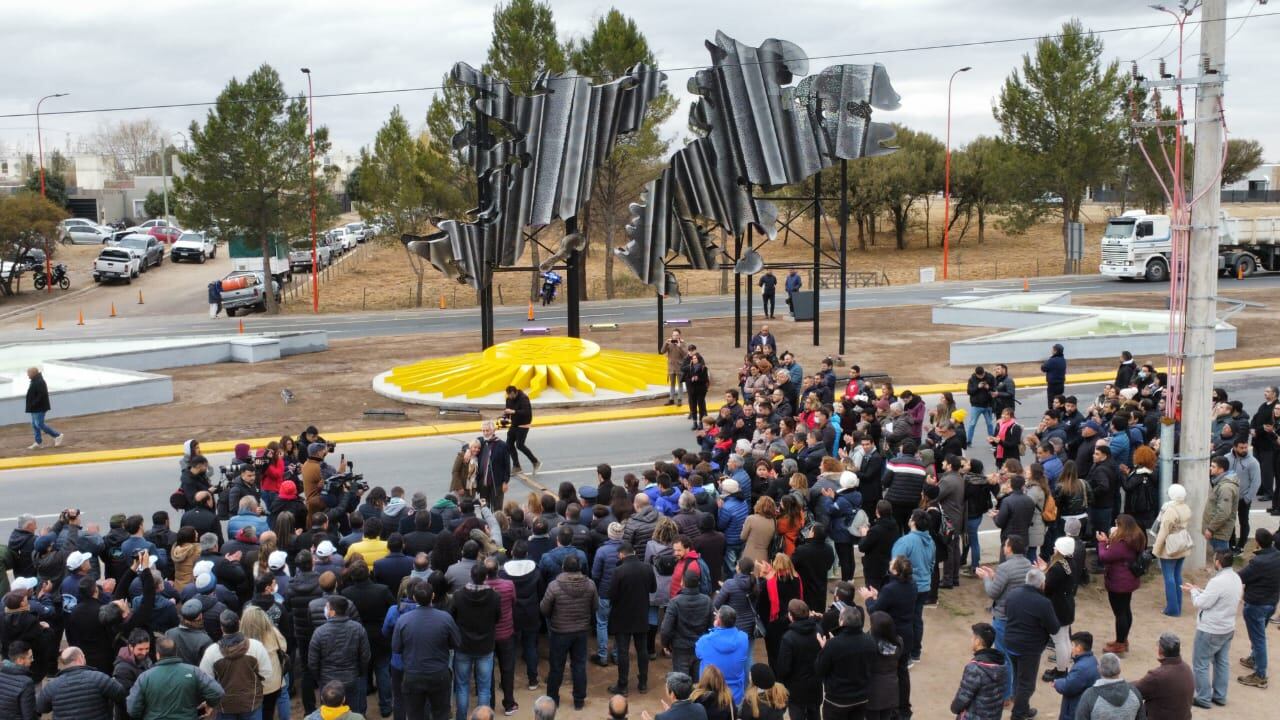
533 365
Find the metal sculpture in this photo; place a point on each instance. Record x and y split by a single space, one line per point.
559 135
757 131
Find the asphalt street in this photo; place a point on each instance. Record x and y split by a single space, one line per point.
409 322
568 452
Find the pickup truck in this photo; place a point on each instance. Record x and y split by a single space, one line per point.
246 291
360 230
148 250
115 264
193 246
300 256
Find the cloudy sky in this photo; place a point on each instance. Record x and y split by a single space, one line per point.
150 52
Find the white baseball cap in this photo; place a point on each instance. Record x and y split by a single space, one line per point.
202 567
24 583
76 559
277 559
325 549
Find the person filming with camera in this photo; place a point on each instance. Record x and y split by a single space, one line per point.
517 417
315 471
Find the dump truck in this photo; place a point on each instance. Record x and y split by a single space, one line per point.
1137 245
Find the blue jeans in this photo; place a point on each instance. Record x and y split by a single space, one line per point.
975 550
972 419
602 629
1172 572
1219 545
269 500
1255 622
37 424
731 553
1211 649
999 624
251 715
463 664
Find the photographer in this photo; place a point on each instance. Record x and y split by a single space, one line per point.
519 415
315 471
493 468
195 478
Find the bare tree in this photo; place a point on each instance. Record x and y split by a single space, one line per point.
132 146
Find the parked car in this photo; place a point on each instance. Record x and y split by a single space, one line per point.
361 231
193 246
145 228
246 291
300 255
337 242
85 234
165 233
115 263
148 250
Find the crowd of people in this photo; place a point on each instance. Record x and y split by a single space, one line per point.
286 576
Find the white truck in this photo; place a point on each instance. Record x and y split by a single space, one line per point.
1137 245
115 263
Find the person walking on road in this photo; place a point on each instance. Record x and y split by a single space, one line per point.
519 412
215 298
768 292
1261 578
792 287
37 406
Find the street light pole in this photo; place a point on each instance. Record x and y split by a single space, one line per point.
311 129
48 263
946 183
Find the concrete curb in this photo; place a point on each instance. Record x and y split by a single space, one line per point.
473 427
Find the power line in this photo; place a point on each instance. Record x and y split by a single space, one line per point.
862 53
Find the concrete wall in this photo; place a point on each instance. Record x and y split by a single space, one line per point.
993 349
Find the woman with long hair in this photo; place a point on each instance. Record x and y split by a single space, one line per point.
1037 488
1007 442
1142 491
462 478
781 586
713 694
888 670
290 452
445 552
790 521
696 381
765 698
1116 551
758 529
1072 494
660 554
1173 544
565 495
255 625
185 553
267 544
897 598
271 474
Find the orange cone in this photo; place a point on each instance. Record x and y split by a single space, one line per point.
442 304
241 326
530 309
1026 285
39 321
140 298
113 309
81 320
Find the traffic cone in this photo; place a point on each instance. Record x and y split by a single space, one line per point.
113 309
530 309
140 298
442 304
39 321
81 320
241 326
1026 285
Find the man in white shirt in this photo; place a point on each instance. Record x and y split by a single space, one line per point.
1216 607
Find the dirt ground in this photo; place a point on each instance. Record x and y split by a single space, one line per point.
209 400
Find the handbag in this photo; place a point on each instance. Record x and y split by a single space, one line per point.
1178 540
1140 564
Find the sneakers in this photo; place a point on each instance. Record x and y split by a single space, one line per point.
34 446
1247 662
599 661
1052 674
534 685
537 466
1252 680
617 690
1117 648
512 710
58 440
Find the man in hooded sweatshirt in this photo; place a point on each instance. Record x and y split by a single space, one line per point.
241 666
1111 697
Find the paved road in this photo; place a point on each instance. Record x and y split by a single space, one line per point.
373 324
569 453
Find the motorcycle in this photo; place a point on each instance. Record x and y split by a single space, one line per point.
60 278
550 282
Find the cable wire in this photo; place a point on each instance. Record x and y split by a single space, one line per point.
862 53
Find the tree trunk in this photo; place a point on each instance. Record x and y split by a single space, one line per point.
862 238
871 228
609 223
926 219
982 224
900 227
533 276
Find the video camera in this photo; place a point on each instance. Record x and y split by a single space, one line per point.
503 422
348 481
232 471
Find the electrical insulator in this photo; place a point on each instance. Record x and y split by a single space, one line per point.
1133 69
1206 66
1163 74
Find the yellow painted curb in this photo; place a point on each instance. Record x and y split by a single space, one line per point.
472 427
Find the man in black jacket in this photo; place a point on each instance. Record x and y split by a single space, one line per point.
1261 428
494 465
1103 481
980 385
372 601
17 690
629 591
304 587
37 406
877 545
339 650
689 615
79 691
1261 578
794 667
519 412
22 543
1030 624
844 667
202 517
476 608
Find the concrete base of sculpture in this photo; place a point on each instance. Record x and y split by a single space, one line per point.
554 371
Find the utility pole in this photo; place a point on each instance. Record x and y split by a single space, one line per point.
1202 264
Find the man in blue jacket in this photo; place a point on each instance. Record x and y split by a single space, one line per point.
726 647
1030 623
792 286
918 547
602 575
732 513
1055 373
1082 675
423 639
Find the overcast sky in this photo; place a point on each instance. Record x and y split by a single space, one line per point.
147 52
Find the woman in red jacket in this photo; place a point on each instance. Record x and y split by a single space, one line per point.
1116 551
272 474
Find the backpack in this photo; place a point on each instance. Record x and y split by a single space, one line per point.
1141 563
179 501
1049 513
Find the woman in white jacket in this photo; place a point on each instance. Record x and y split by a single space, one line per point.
1173 543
